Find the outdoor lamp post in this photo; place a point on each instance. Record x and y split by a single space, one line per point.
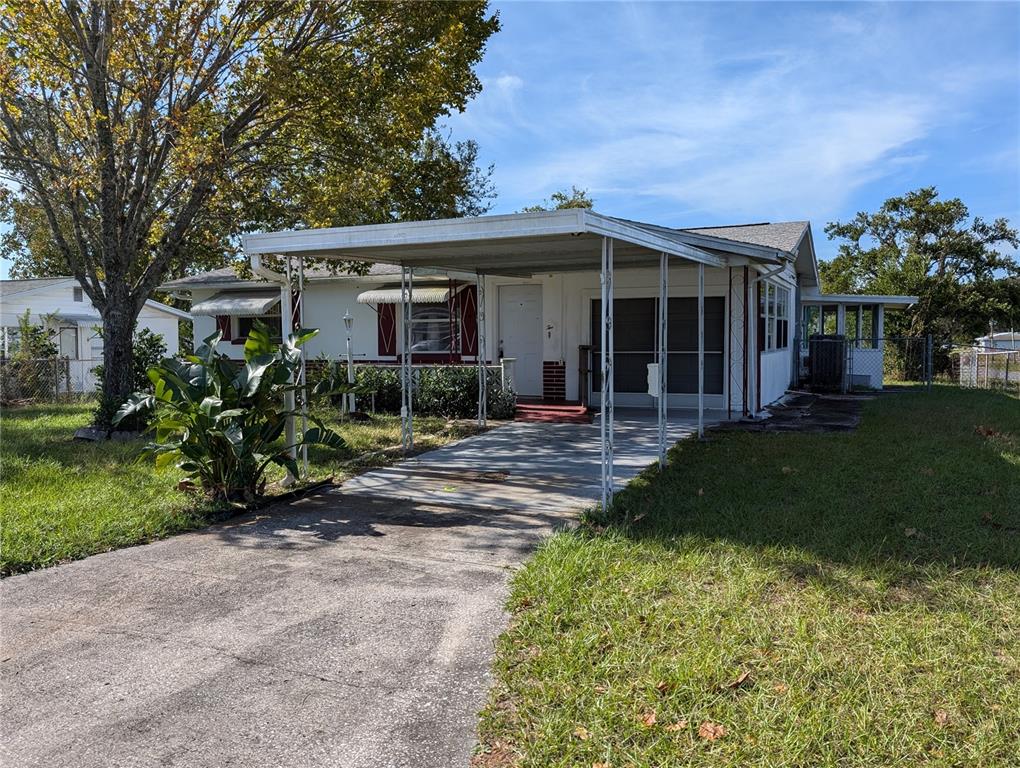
349 324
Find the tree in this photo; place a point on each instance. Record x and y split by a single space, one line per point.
137 128
920 245
575 198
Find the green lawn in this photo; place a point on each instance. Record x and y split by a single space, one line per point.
807 600
62 500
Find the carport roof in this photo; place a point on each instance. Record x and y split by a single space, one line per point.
513 244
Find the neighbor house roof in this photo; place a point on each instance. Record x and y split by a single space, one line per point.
228 276
14 287
10 288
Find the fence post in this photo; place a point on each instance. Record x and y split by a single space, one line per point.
929 361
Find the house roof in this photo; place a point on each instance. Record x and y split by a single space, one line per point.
14 287
781 235
10 288
228 276
519 244
1000 336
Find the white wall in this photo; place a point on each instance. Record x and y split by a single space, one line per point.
566 303
58 299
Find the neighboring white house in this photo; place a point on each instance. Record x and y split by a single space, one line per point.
1009 340
541 282
993 360
60 305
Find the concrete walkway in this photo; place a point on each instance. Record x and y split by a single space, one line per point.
353 628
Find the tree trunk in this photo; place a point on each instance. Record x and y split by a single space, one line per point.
118 359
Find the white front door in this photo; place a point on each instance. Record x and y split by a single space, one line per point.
520 335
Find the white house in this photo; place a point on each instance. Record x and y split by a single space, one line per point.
540 276
60 305
1006 340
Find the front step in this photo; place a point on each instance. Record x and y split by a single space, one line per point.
552 413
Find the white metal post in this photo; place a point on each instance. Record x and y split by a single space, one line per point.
303 374
701 350
483 404
406 381
286 329
663 354
608 394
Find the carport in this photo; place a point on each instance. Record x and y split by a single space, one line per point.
516 245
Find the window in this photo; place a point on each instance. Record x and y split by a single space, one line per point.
774 317
78 295
244 324
432 328
67 339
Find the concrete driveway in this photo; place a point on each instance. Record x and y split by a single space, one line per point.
353 628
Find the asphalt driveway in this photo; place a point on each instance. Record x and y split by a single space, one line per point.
352 628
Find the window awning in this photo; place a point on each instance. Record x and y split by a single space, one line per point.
237 303
420 294
70 317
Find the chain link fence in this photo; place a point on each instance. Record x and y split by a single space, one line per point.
838 364
47 380
984 368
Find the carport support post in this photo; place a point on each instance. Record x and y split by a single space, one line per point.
483 404
663 353
608 394
406 384
286 329
701 350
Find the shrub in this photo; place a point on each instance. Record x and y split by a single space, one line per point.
384 382
32 370
223 424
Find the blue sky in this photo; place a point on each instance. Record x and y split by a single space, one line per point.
717 113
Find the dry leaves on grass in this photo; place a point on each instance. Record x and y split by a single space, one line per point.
711 731
601 765
648 719
741 679
941 718
679 725
582 733
780 687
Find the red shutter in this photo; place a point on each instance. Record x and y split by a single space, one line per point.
467 300
387 319
223 326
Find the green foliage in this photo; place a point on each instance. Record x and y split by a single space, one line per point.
920 245
149 349
62 500
222 425
384 383
452 391
34 341
575 198
141 138
32 369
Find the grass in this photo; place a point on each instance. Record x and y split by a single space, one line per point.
63 500
828 600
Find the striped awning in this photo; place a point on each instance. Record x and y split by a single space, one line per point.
237 304
420 294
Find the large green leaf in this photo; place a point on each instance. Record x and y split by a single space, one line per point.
136 404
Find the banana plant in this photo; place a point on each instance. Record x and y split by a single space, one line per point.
223 425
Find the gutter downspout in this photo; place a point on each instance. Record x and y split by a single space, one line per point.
287 328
